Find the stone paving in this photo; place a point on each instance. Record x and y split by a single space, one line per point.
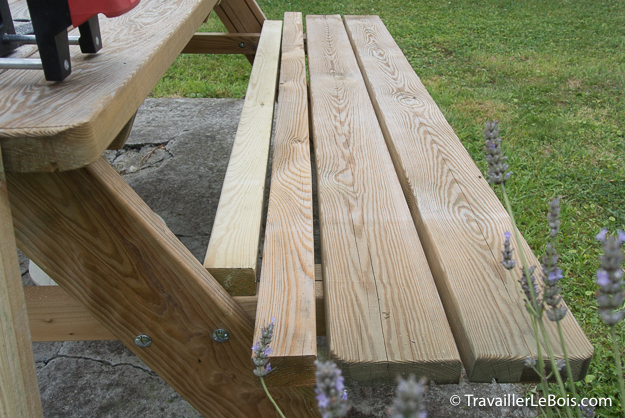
176 159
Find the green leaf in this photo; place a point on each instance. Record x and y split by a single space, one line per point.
589 378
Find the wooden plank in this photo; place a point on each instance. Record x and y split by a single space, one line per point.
383 313
459 218
48 126
222 43
287 291
122 136
54 315
101 243
241 16
232 252
19 392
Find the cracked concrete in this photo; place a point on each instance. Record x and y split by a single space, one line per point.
176 159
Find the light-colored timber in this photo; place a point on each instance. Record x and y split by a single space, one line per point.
53 315
222 43
19 392
241 16
459 218
287 280
101 243
384 316
232 253
122 136
47 126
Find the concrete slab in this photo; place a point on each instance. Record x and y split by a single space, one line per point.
176 159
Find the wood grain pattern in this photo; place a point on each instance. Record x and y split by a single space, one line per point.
53 315
232 253
222 43
19 392
47 126
459 218
101 243
241 16
383 313
287 291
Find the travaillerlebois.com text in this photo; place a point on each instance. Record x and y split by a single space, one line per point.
471 400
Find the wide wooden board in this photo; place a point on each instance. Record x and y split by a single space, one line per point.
384 316
102 244
47 126
459 218
287 281
19 392
232 253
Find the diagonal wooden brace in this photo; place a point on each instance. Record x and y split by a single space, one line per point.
100 242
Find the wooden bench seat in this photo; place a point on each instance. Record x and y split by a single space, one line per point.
410 230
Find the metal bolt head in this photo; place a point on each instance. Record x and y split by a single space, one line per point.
241 44
220 335
66 65
97 40
143 341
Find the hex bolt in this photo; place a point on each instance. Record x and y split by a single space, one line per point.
143 341
97 40
66 65
241 44
220 335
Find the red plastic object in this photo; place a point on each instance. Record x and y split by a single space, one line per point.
83 10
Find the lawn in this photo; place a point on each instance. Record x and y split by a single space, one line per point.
552 73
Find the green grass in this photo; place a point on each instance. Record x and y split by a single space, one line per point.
552 73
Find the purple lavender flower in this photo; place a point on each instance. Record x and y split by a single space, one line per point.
551 272
553 217
508 262
408 401
330 390
261 350
497 166
587 411
528 279
610 278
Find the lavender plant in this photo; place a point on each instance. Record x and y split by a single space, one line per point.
536 304
611 294
261 352
330 390
408 402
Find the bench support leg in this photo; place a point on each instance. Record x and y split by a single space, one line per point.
19 393
101 243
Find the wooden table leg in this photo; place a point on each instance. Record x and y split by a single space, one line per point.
19 393
100 242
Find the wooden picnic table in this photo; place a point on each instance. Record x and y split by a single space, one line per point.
410 280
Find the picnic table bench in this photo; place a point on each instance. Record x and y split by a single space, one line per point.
410 279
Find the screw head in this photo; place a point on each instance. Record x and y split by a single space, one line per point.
241 44
220 335
66 65
97 40
143 341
